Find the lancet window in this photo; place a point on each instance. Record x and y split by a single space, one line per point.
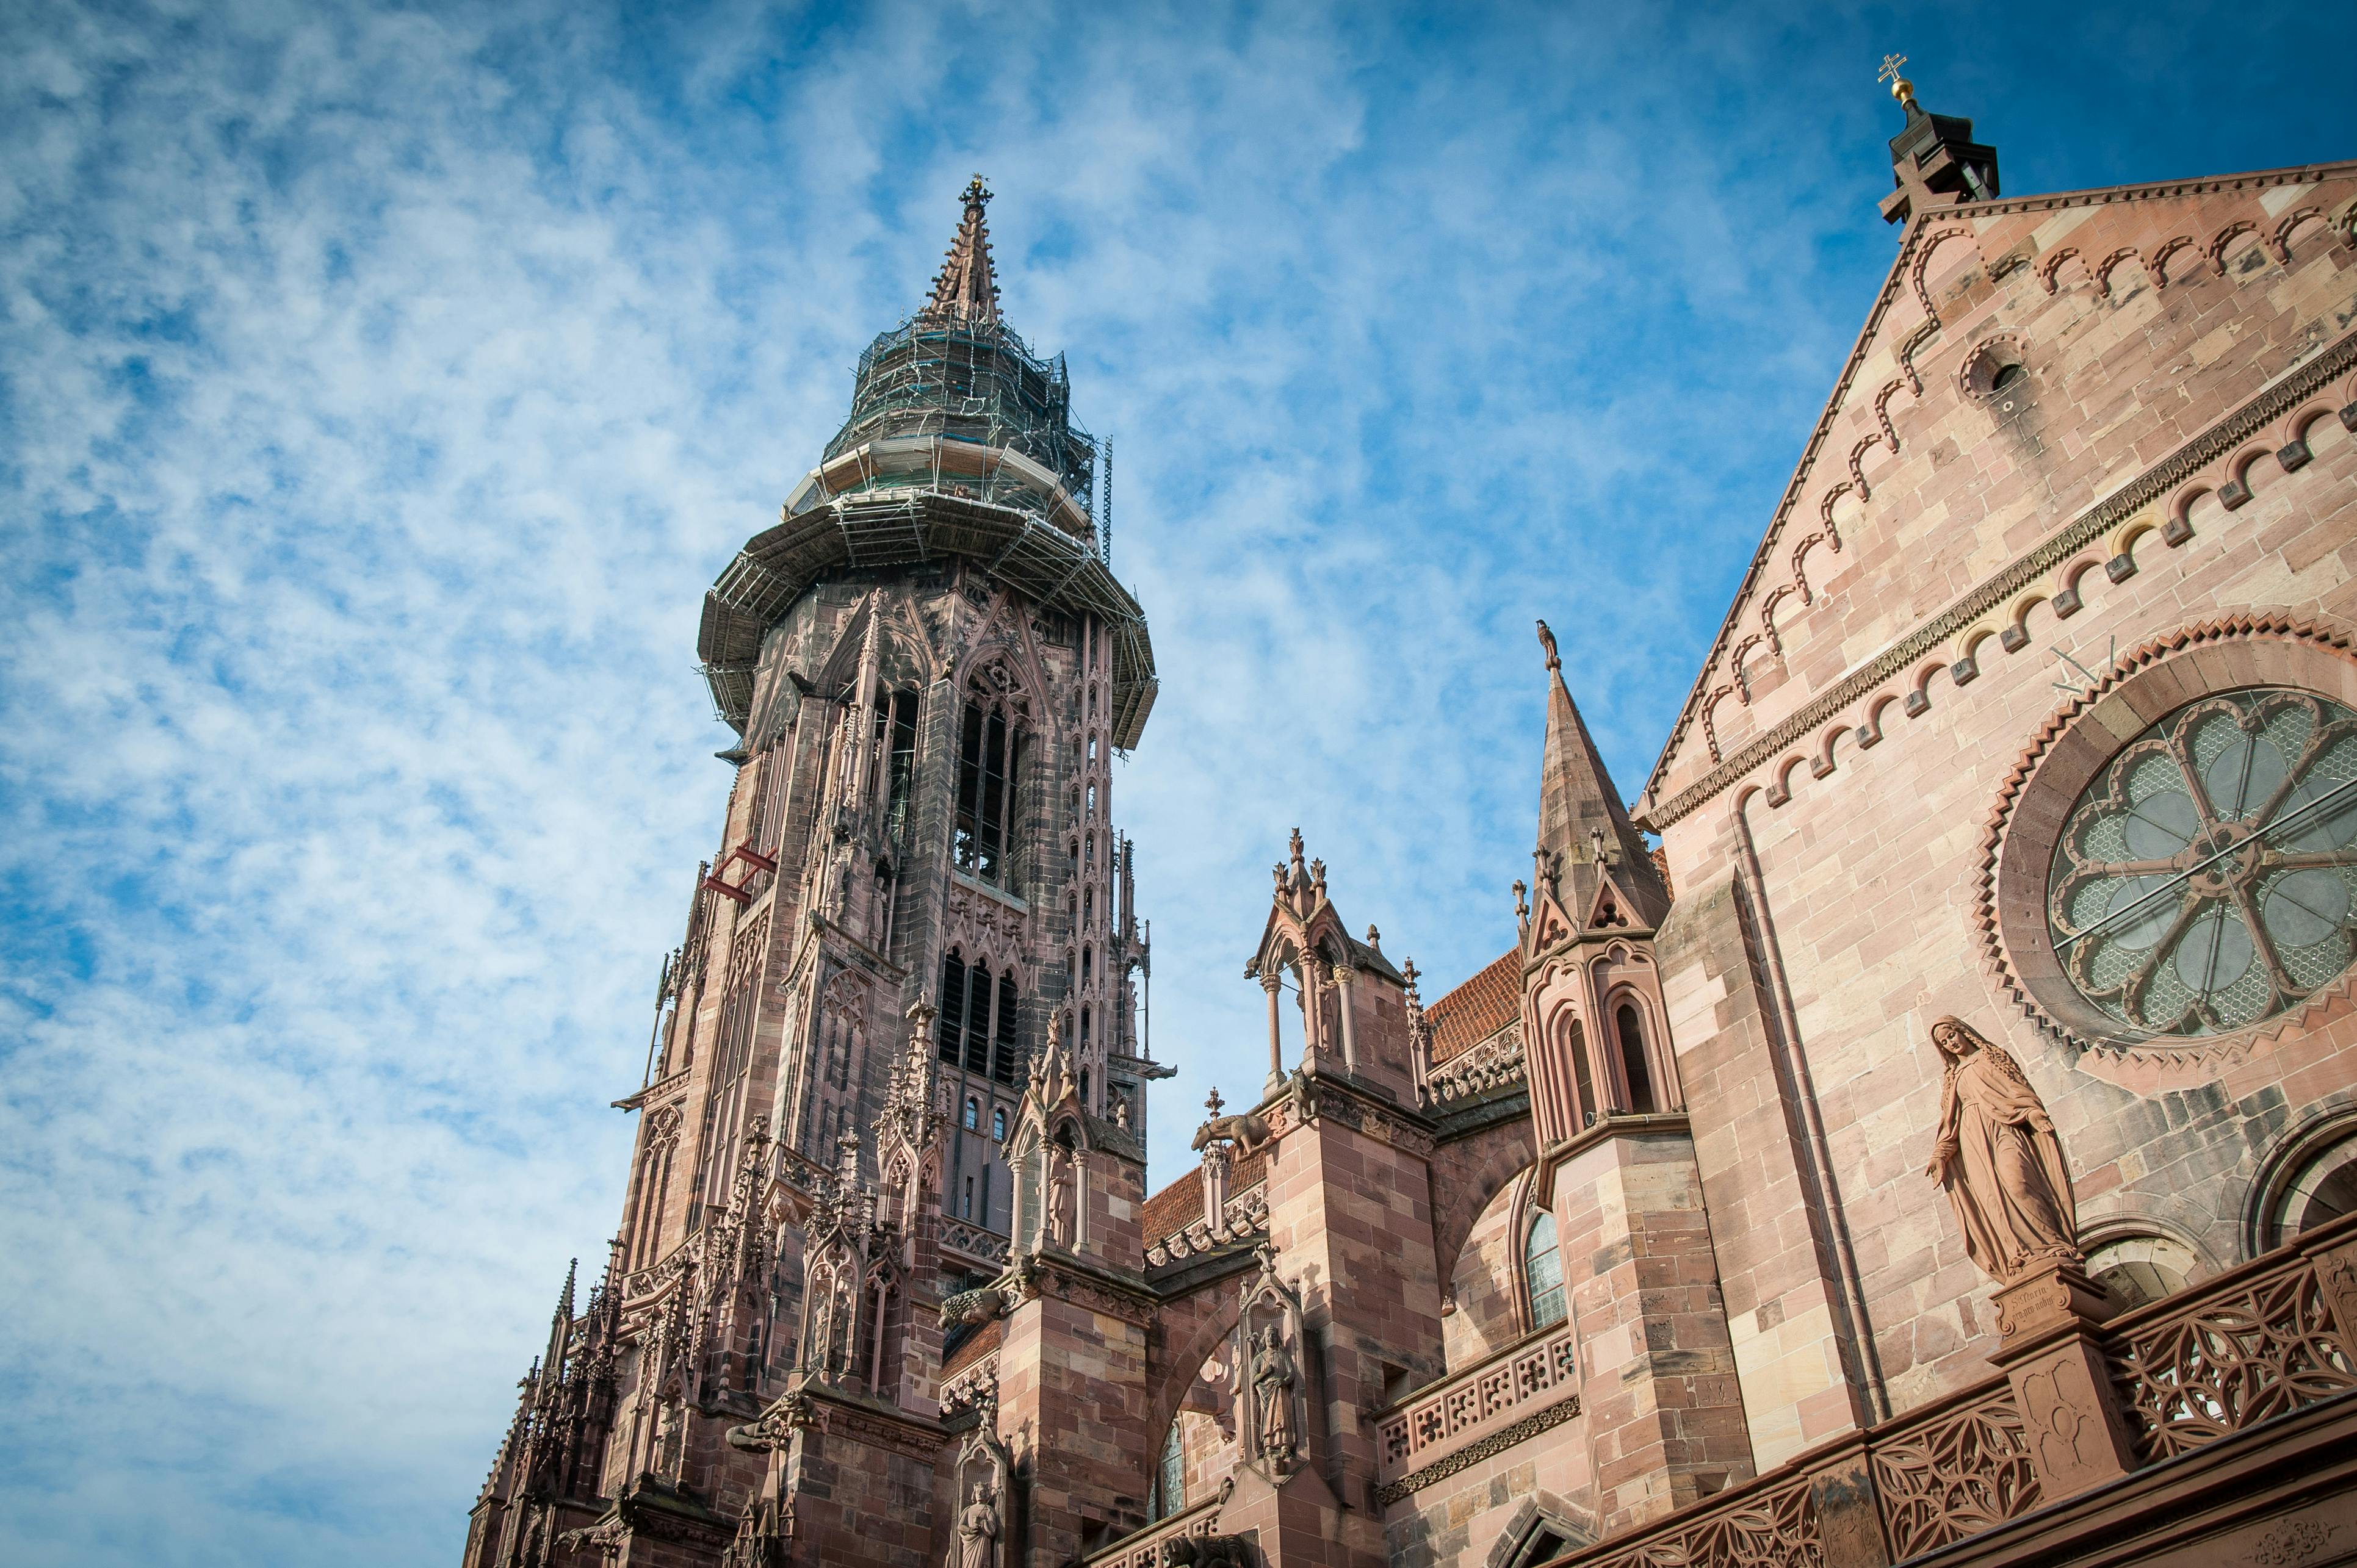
1542 1271
896 727
1582 1080
1171 1475
990 754
978 1019
1632 1059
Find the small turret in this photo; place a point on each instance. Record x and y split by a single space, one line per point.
1935 161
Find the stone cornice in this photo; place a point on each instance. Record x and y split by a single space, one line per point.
1611 1124
2153 484
2104 195
1469 1117
1068 1278
836 1413
1328 1097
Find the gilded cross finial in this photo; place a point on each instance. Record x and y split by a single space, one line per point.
1900 87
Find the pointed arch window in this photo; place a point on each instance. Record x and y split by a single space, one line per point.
1170 1475
973 1114
977 1020
989 760
999 1125
1583 1082
900 767
1542 1271
952 1007
1632 1059
1004 1047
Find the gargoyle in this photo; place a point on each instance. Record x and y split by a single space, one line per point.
1247 1132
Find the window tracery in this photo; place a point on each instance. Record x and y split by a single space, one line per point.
2203 882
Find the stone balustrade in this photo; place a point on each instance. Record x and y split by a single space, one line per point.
2258 1343
1494 1064
1143 1549
974 1241
1482 1410
972 1384
1246 1215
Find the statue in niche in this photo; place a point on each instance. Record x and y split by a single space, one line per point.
1999 1159
1059 1196
1273 1376
977 1528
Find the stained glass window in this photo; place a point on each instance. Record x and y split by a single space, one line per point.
2205 880
1543 1268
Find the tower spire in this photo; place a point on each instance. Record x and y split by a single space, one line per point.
965 292
1585 834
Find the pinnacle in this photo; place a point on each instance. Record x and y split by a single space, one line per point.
965 291
1585 834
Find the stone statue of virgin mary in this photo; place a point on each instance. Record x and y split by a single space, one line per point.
1999 1159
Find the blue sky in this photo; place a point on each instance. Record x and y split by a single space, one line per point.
378 389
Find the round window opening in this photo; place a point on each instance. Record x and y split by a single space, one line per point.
2206 879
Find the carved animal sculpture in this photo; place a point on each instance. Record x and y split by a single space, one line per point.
1207 1552
1246 1133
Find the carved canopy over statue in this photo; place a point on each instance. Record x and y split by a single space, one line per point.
1999 1159
985 1471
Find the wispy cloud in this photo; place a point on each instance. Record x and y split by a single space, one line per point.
381 387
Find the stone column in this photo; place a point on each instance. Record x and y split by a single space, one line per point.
1273 983
1344 991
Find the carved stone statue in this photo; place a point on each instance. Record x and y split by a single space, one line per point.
977 1541
1999 1159
1059 1196
1207 1552
1273 1378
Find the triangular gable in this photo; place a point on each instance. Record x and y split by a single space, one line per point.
1932 312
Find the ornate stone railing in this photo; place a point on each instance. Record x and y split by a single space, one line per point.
970 1384
1243 1216
974 1241
1953 1470
1143 1549
1486 1409
2257 1343
1496 1063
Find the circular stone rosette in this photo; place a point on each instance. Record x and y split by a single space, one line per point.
2171 873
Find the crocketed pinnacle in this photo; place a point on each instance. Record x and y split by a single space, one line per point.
1584 832
965 294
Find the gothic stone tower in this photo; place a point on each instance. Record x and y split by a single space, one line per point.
930 666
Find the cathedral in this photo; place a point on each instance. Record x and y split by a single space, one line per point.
1920 1124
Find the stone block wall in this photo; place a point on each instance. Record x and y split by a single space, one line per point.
1872 829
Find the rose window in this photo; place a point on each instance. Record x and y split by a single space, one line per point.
2207 879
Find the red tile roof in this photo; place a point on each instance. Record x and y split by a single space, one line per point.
977 1345
1477 1009
1175 1208
1180 1204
